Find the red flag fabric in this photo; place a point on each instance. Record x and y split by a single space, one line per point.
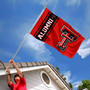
57 33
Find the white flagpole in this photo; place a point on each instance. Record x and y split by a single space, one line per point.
29 32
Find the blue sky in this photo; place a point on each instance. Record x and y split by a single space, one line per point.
18 16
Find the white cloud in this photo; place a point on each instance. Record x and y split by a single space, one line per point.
76 84
70 78
73 2
84 50
41 53
52 3
67 75
44 2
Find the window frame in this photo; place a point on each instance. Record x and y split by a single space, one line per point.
48 85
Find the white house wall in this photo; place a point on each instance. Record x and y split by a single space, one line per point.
3 83
33 80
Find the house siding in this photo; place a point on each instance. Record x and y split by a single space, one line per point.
33 80
3 83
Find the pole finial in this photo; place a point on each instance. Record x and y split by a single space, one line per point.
46 5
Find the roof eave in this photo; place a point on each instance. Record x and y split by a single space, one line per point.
45 67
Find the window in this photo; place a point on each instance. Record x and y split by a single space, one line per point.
45 78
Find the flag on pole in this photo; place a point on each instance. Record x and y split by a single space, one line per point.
57 33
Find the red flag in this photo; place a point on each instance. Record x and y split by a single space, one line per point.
57 33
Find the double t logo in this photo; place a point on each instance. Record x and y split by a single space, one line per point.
68 36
